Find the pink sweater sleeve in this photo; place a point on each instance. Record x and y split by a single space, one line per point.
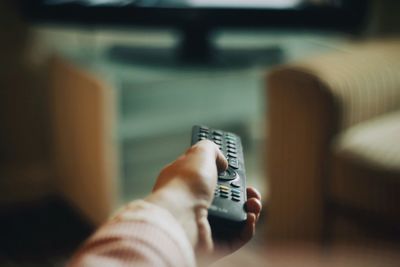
141 234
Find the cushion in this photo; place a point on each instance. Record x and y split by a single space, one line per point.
366 168
375 143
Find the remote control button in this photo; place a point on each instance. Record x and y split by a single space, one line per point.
204 129
230 145
236 190
218 142
235 184
235 194
232 155
203 134
223 176
237 199
234 163
217 137
224 187
223 191
202 138
231 138
224 196
232 150
227 175
217 132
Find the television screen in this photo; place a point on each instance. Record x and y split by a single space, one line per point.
326 14
271 4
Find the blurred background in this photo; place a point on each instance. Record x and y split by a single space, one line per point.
97 96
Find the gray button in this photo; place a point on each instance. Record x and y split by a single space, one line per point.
235 184
227 175
237 199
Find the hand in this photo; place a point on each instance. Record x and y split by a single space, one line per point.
197 169
253 207
222 248
186 188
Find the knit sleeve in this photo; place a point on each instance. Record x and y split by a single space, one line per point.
141 234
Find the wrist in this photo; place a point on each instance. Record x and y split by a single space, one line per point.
179 200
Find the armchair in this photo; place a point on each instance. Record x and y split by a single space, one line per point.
333 143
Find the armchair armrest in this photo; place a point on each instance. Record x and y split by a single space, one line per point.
308 104
363 80
84 157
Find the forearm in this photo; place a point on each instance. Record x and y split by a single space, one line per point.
141 234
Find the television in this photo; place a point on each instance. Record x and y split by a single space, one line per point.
197 19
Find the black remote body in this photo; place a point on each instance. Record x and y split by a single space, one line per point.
227 213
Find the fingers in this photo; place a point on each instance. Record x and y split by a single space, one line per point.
211 150
253 193
249 229
254 206
253 203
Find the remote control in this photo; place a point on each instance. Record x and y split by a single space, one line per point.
227 213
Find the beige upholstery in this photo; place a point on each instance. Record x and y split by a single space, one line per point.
375 143
84 153
366 167
311 105
57 139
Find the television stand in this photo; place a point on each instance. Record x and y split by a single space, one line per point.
196 45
